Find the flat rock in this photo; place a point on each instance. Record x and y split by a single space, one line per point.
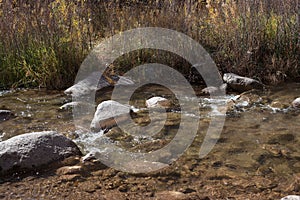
291 197
94 83
296 103
33 150
240 83
69 170
106 112
174 195
5 115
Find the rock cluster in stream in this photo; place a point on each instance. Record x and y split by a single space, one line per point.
33 150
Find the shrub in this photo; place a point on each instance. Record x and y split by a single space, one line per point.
44 42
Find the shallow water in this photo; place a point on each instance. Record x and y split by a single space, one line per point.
257 153
34 110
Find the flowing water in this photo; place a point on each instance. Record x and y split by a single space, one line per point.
256 154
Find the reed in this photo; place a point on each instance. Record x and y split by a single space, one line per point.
42 43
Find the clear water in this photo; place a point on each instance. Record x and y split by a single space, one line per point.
259 142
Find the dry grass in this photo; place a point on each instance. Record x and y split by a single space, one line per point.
42 43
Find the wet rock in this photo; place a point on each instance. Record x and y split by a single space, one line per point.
33 150
215 90
69 170
253 96
296 103
240 83
94 83
5 115
170 195
157 102
241 101
106 112
291 197
90 157
70 177
278 105
72 160
70 105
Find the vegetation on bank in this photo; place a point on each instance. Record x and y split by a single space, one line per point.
42 43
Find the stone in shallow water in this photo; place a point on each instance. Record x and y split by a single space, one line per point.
156 102
171 195
106 112
69 170
296 103
5 115
240 83
94 82
291 197
33 150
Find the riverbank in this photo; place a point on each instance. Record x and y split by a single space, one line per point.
43 44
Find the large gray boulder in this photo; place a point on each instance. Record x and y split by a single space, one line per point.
94 83
106 113
296 103
33 150
240 83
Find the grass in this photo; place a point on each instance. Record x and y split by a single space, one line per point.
42 43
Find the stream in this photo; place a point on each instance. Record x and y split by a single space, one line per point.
256 156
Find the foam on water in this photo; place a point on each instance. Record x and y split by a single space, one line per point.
3 92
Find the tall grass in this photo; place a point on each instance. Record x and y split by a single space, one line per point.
42 43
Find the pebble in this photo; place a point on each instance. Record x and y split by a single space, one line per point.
69 170
174 195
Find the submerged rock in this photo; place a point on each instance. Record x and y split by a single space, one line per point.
69 170
240 83
278 105
157 102
143 166
170 195
33 150
5 115
296 103
106 112
88 85
215 90
291 197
